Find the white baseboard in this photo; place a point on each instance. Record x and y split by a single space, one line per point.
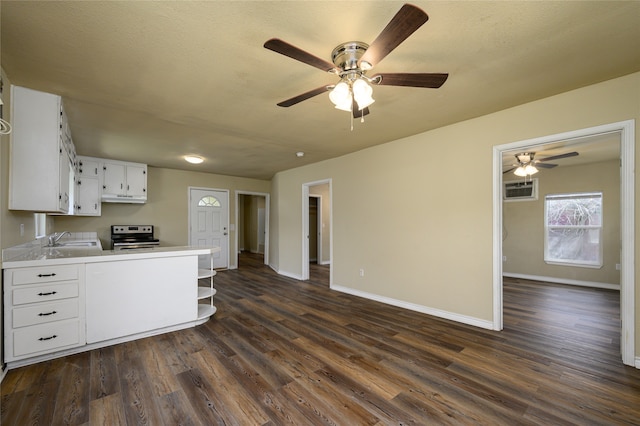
567 281
286 274
476 322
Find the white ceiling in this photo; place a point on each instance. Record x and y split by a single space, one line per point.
152 81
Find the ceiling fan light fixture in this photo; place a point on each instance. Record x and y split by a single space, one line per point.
340 94
345 105
520 172
362 92
526 170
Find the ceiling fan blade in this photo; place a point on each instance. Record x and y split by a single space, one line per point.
298 54
303 96
408 19
508 170
428 80
357 113
545 165
557 157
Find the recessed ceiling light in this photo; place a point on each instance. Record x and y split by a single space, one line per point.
299 154
193 159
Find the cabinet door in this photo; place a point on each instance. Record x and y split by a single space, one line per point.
88 197
137 296
113 179
64 196
136 181
88 168
34 181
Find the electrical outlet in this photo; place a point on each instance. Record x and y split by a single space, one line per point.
362 272
617 266
504 258
22 229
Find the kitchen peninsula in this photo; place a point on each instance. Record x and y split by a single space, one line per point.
74 296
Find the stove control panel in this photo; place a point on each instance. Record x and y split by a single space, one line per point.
132 229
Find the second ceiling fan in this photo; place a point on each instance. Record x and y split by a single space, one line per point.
526 164
352 60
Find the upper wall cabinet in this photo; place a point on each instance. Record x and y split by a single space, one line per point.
124 182
88 187
42 168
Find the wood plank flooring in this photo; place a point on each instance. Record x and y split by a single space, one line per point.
280 351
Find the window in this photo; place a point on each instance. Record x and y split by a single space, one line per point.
573 229
40 224
209 201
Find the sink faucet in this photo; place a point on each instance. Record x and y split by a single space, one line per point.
55 237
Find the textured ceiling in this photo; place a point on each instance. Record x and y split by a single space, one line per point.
152 81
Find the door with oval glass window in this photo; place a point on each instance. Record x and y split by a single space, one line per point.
209 222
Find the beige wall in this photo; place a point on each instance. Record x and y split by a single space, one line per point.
420 224
166 208
523 223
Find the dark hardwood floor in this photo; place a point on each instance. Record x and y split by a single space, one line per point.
280 351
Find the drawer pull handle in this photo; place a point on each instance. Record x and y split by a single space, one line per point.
47 294
47 338
47 275
45 314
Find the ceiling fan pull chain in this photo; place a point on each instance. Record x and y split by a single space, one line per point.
351 115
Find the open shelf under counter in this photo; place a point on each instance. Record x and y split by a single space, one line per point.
206 292
205 312
206 273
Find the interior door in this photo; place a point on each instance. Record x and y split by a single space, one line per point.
209 222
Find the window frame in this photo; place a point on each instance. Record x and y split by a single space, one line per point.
599 228
40 224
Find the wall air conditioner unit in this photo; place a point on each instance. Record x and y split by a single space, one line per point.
520 190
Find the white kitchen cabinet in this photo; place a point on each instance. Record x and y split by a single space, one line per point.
88 197
42 153
206 288
89 167
88 193
127 297
44 310
124 182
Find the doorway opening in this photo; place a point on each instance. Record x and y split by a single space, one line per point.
252 225
626 131
317 228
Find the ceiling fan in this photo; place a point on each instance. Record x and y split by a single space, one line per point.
352 60
526 164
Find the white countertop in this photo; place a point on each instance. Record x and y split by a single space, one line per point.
38 254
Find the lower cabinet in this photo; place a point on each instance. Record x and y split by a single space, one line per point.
56 310
135 296
44 310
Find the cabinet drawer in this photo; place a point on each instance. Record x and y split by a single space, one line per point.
45 312
44 274
44 293
45 337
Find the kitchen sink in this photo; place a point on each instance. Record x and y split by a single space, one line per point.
75 243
